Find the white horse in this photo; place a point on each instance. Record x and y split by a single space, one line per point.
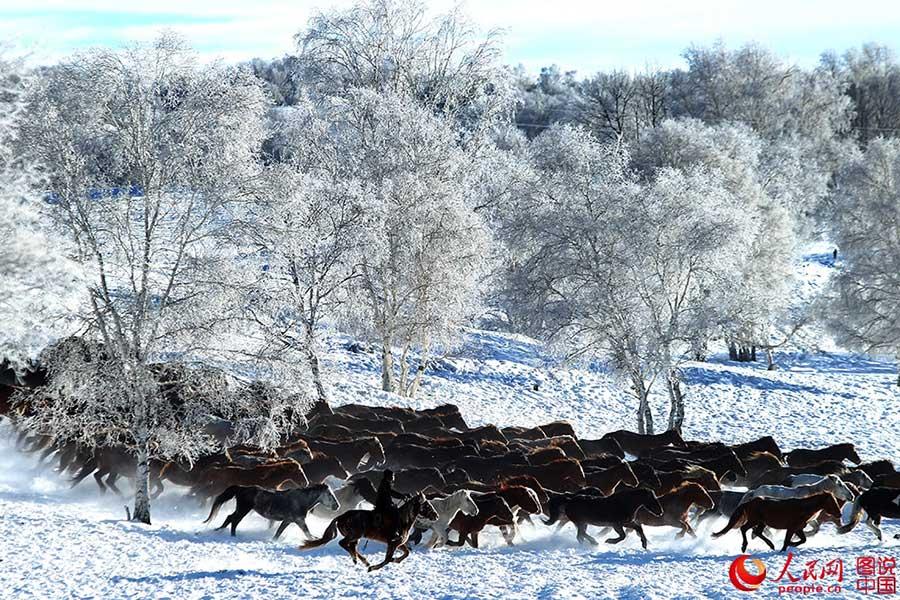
348 496
812 485
858 478
827 483
446 508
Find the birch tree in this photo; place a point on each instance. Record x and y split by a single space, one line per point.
865 219
304 232
36 280
145 153
422 253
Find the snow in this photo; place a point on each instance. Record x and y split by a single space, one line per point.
62 543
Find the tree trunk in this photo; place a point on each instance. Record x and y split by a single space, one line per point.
317 376
414 386
732 351
142 481
770 358
645 416
676 401
387 368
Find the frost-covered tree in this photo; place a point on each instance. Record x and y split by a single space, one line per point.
748 314
396 47
422 251
305 232
620 267
34 278
866 227
145 153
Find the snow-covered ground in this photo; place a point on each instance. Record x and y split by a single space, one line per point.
61 543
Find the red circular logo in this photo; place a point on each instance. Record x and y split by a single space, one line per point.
743 579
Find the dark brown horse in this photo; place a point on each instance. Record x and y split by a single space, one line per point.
617 511
803 457
392 528
492 510
791 514
764 444
676 505
640 443
607 480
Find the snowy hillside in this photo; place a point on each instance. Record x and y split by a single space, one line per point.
812 399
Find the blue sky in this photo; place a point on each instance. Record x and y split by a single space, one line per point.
575 34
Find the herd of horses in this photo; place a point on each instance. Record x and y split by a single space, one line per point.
452 480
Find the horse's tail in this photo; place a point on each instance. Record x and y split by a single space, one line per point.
330 534
855 516
737 519
221 499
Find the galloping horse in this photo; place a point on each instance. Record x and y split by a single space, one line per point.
392 528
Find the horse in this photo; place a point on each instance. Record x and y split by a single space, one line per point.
780 475
676 505
755 464
639 443
608 479
617 511
791 515
828 483
492 510
725 502
349 497
392 528
112 462
764 444
288 506
878 468
566 443
601 461
273 476
878 502
523 433
668 481
723 465
323 466
560 475
803 457
602 446
542 456
447 507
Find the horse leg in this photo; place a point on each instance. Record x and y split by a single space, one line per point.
98 477
302 523
621 531
802 537
388 556
237 516
787 539
111 483
350 546
814 527
459 542
640 531
405 549
284 525
473 539
761 534
744 528
873 524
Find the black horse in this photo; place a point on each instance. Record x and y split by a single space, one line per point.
287 506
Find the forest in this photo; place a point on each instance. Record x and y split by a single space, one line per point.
179 228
